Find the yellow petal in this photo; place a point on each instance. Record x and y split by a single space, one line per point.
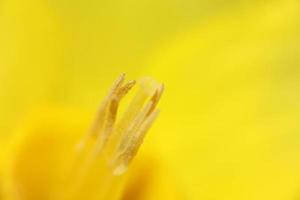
230 117
46 161
41 148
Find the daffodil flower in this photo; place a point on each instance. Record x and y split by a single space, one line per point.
230 122
50 161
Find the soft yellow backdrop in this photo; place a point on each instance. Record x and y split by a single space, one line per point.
229 127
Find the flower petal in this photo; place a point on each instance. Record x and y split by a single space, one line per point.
230 119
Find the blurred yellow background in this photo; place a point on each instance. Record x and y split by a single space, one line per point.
229 127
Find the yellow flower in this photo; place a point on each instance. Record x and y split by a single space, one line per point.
50 161
230 122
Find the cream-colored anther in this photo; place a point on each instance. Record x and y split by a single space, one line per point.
101 114
156 97
119 140
133 127
107 149
112 115
124 157
133 136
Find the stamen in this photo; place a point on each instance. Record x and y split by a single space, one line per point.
124 89
107 149
133 127
119 142
112 115
124 157
101 112
156 97
100 118
110 121
134 134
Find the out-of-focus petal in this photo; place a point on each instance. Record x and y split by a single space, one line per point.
35 163
230 118
64 51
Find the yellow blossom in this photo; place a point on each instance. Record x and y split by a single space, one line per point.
52 160
230 122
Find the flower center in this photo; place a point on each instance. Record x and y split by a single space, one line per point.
106 150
